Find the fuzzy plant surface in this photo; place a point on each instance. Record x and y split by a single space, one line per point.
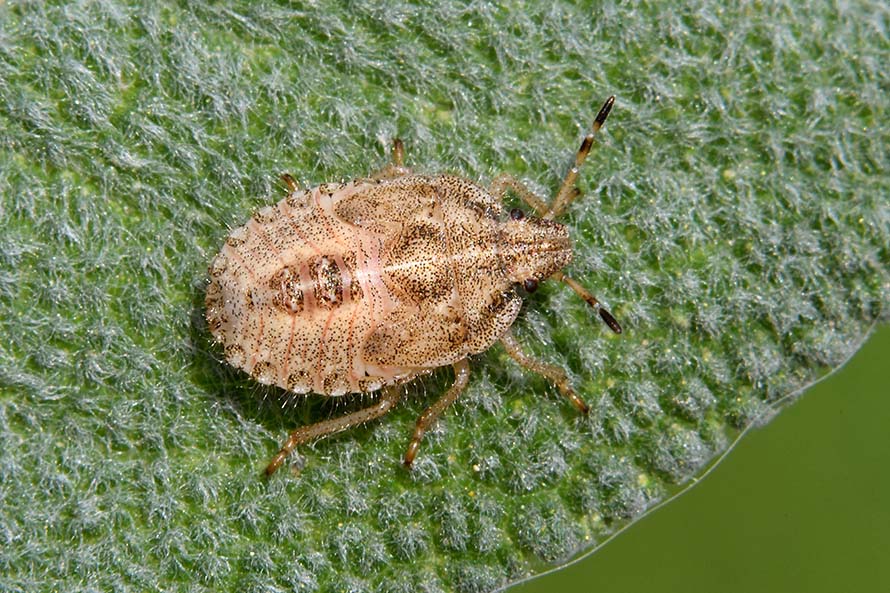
734 218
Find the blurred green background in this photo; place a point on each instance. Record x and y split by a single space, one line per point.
800 505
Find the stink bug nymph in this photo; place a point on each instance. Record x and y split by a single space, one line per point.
361 286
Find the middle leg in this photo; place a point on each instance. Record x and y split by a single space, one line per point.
429 416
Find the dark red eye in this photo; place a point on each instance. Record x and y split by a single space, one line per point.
530 285
517 214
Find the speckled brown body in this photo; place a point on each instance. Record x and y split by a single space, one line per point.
357 287
347 288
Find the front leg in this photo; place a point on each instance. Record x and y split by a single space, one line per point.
505 181
567 190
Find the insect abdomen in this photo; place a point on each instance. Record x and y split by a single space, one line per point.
292 298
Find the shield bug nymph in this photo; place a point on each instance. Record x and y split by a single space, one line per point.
361 286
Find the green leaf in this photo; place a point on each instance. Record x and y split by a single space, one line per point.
735 218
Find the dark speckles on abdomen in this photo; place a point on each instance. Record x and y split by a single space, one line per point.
288 292
235 354
327 281
330 384
264 372
299 382
355 288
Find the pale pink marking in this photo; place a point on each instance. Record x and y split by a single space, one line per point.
264 237
326 204
290 342
319 380
309 304
371 284
301 236
251 361
345 278
353 377
238 256
381 304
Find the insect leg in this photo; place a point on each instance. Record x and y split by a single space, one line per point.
429 416
591 300
556 375
567 191
290 182
505 181
397 167
398 153
388 399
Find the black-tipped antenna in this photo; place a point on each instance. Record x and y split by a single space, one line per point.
591 300
567 190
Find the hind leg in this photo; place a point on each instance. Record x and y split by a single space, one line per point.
304 434
396 168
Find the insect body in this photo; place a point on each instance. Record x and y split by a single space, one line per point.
358 287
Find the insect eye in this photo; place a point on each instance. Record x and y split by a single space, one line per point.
530 285
517 214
